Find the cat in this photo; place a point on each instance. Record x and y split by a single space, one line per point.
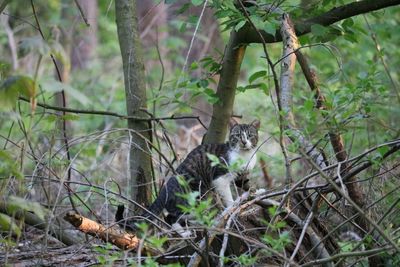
201 175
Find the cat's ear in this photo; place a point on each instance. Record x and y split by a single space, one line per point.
256 124
232 123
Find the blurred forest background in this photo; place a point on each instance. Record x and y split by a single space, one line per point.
65 143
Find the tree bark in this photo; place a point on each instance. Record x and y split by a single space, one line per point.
222 110
290 44
131 52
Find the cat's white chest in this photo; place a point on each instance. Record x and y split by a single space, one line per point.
247 158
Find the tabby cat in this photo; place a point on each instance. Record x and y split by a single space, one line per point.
201 175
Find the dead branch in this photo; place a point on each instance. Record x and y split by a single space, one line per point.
358 208
354 189
364 253
267 178
240 205
87 226
290 45
321 250
114 114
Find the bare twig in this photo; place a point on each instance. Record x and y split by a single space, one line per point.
349 254
114 114
64 130
359 210
382 59
11 40
82 13
314 238
4 5
240 204
304 230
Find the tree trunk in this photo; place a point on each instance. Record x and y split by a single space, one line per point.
222 110
140 160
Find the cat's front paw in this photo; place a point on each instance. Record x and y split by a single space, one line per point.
242 181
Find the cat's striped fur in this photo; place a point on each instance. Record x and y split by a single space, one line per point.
201 176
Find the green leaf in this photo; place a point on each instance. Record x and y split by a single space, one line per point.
8 165
264 88
351 37
34 44
383 150
156 241
11 88
257 75
183 8
194 65
197 2
193 19
7 224
348 23
258 22
214 159
56 86
71 117
17 204
318 30
309 104
60 54
270 28
240 25
204 83
182 27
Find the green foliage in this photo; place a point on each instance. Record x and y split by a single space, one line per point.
53 86
235 166
8 166
277 244
214 160
242 260
197 2
233 18
362 103
17 204
12 88
107 257
202 210
149 262
7 225
277 237
260 76
37 45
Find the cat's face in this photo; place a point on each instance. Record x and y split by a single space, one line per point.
244 136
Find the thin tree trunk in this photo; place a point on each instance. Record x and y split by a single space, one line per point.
140 160
222 110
